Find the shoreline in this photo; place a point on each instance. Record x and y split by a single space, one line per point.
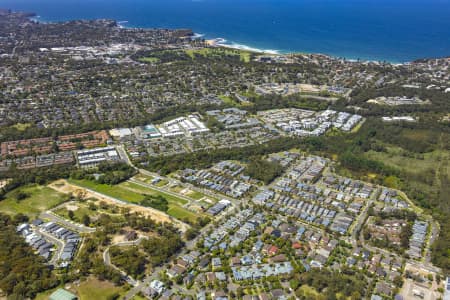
222 42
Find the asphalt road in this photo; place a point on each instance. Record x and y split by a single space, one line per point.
59 244
107 258
156 271
66 223
355 228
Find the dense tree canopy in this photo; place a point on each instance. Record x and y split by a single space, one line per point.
22 273
263 170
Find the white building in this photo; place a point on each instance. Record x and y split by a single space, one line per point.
92 157
157 286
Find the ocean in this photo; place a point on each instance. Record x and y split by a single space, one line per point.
386 30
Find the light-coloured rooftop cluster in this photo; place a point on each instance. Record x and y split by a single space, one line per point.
188 126
309 123
92 157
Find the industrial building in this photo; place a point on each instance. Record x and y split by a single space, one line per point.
182 126
92 157
148 131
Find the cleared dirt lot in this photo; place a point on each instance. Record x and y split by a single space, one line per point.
64 187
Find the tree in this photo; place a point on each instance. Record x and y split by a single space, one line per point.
263 170
20 195
113 296
398 281
191 233
294 283
86 220
24 273
391 181
159 202
20 218
70 214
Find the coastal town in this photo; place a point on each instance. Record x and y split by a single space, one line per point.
151 164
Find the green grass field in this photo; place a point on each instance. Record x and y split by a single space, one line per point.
424 170
175 204
92 288
151 60
394 158
21 126
162 183
116 191
244 56
144 178
134 187
40 198
195 195
96 289
180 213
45 295
135 193
228 100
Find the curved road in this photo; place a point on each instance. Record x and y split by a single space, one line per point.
107 258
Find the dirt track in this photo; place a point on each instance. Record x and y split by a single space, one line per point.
63 186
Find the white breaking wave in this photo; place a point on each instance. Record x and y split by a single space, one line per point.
39 19
224 43
120 24
197 35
